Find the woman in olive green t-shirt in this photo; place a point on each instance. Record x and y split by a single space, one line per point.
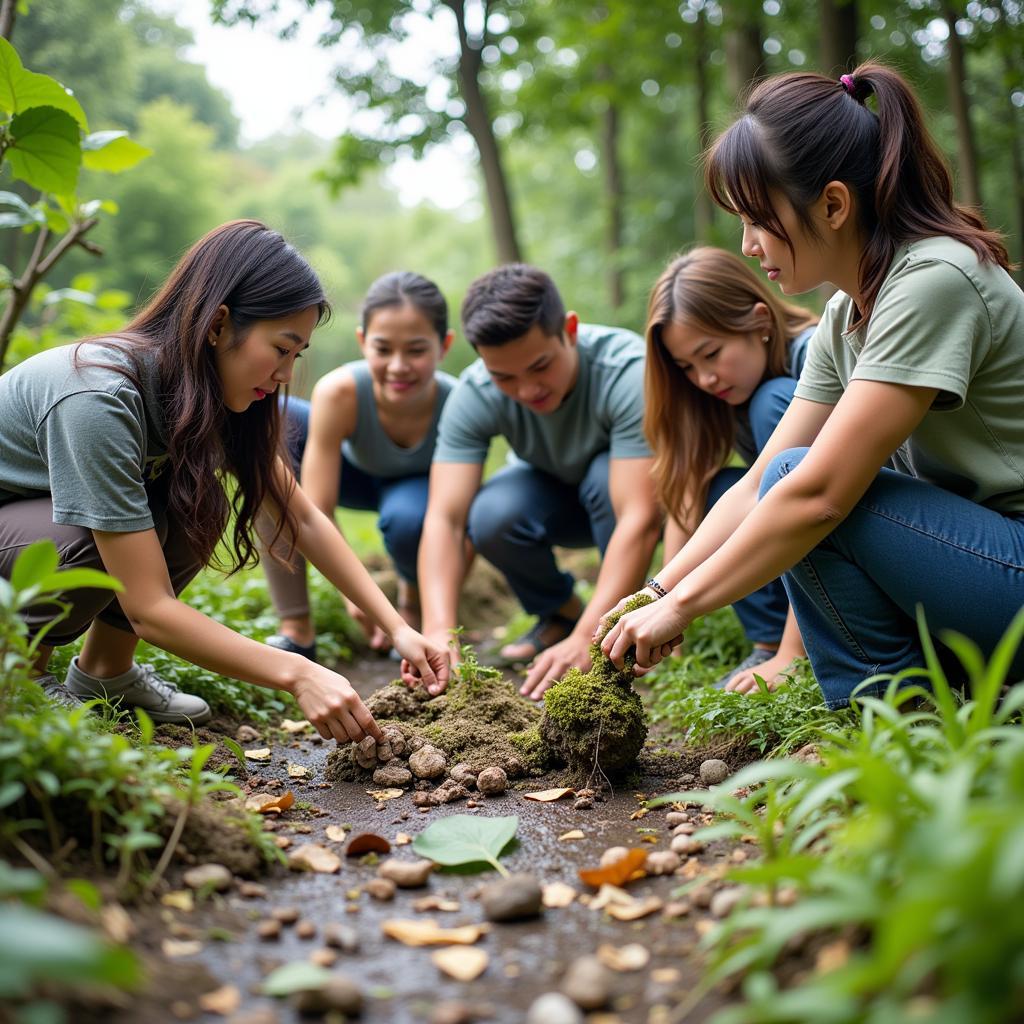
895 481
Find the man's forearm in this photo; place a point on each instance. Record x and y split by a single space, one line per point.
440 568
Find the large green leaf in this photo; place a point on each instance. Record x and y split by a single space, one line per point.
112 152
46 151
296 977
21 89
465 839
20 212
34 564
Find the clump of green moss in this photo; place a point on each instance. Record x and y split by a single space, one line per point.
594 721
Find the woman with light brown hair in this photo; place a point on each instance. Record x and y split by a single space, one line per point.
723 356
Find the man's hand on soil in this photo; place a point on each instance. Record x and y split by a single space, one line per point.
549 666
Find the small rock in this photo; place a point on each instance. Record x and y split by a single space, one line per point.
448 791
339 994
252 890
554 1008
588 983
384 751
714 772
583 803
677 908
209 876
515 898
422 800
415 743
406 874
382 889
393 735
662 862
684 844
428 762
305 929
367 746
701 896
686 779
393 774
674 818
464 775
613 854
341 936
246 734
472 803
323 957
286 915
492 781
269 930
725 901
686 828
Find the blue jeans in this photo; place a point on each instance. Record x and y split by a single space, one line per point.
762 613
906 543
401 501
522 512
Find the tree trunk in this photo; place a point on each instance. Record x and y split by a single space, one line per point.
8 10
970 193
478 121
613 194
744 56
1016 169
838 35
703 208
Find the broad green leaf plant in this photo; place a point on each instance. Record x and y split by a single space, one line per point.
45 141
463 839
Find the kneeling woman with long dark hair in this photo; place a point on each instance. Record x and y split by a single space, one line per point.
133 453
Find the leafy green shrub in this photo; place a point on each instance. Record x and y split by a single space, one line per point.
904 848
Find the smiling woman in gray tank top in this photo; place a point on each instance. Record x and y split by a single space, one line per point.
366 439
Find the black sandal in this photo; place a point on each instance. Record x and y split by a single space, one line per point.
534 636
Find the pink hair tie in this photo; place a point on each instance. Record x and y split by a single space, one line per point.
847 82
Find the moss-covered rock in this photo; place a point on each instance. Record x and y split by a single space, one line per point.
595 721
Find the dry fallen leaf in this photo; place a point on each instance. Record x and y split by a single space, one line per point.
633 957
569 836
117 923
180 899
635 910
558 894
174 948
335 833
258 754
641 813
367 842
547 795
314 857
665 975
619 872
425 903
463 963
291 725
385 794
297 771
283 842
270 803
428 933
403 839
223 1001
607 895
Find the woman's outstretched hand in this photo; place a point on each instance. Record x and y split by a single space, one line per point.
655 630
424 661
328 700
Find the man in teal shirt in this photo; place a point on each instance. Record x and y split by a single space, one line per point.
568 398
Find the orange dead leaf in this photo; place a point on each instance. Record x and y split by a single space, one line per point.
429 933
463 963
367 842
619 872
270 803
545 796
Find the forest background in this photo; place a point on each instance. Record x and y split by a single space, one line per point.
586 120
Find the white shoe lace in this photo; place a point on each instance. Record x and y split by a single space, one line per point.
163 687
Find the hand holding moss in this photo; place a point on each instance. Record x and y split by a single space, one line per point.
654 631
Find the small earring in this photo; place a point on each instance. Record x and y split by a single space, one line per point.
766 339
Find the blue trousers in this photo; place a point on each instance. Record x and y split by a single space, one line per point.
906 543
522 512
401 501
762 613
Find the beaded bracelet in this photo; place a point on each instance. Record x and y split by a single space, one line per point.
653 584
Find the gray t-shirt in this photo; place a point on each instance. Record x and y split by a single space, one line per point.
942 320
371 449
603 412
89 437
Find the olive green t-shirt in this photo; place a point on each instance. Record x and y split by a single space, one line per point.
944 320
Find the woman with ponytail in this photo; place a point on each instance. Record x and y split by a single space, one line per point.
723 357
917 364
134 453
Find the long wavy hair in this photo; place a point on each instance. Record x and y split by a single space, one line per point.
801 130
257 275
691 432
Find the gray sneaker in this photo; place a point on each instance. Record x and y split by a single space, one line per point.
756 657
141 687
58 694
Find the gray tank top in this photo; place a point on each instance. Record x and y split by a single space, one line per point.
370 449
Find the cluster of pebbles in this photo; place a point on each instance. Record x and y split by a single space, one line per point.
397 761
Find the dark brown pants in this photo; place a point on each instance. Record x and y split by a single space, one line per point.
24 522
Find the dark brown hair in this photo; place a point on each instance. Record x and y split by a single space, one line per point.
508 301
404 287
257 275
801 130
691 432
